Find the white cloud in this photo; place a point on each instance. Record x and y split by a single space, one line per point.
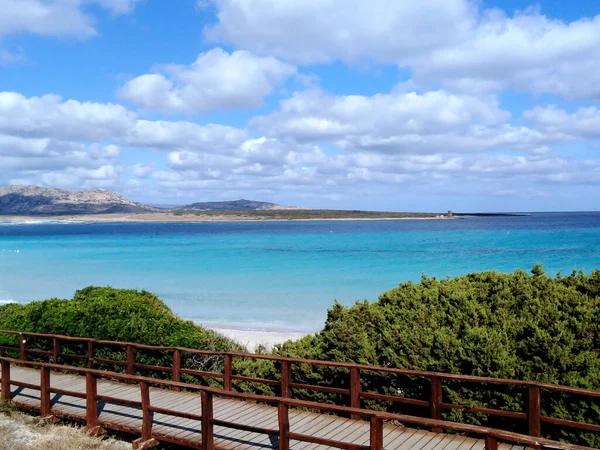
316 31
45 138
49 115
117 6
216 80
440 41
402 122
528 51
582 124
55 17
162 134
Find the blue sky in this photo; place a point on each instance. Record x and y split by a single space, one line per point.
385 104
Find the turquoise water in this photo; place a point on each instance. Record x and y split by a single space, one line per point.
281 276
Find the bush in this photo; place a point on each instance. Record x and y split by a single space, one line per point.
519 326
115 315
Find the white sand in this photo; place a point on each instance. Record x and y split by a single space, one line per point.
252 339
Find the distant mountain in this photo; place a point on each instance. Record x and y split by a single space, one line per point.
236 205
21 199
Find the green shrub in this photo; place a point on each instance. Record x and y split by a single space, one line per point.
518 326
110 314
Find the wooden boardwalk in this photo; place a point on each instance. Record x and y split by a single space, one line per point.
170 428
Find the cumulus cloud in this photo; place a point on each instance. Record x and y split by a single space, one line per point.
528 51
451 42
55 17
50 115
402 122
82 140
315 145
584 123
314 31
216 80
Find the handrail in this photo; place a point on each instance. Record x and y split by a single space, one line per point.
376 417
317 362
436 404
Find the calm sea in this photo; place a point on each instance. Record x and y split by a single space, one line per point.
281 276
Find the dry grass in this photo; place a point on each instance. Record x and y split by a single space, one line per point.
19 431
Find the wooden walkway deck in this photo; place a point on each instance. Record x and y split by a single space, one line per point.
170 428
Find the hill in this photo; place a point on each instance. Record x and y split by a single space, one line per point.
236 205
24 199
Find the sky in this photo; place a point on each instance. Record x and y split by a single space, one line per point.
349 104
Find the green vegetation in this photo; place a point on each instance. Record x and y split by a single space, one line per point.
518 326
306 214
110 314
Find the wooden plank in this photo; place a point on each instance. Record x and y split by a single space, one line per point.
338 433
312 424
467 444
428 437
456 442
439 442
412 442
402 438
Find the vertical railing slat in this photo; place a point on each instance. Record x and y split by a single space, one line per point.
227 373
285 379
436 401
44 391
491 443
533 414
376 435
5 389
207 421
283 415
130 361
22 347
354 390
91 401
146 413
55 349
176 367
90 351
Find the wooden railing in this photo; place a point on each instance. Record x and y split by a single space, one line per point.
435 404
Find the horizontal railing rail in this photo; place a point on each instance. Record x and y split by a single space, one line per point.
532 415
207 394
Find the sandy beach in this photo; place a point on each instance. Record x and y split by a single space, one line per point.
162 217
252 339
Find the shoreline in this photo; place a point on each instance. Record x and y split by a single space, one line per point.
185 218
251 339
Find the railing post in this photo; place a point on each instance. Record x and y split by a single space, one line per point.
146 440
491 443
227 373
55 349
146 413
285 379
284 426
436 401
176 367
90 354
91 402
22 347
44 392
5 390
130 361
354 390
533 414
207 418
376 439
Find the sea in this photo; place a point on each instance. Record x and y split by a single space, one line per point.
281 277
